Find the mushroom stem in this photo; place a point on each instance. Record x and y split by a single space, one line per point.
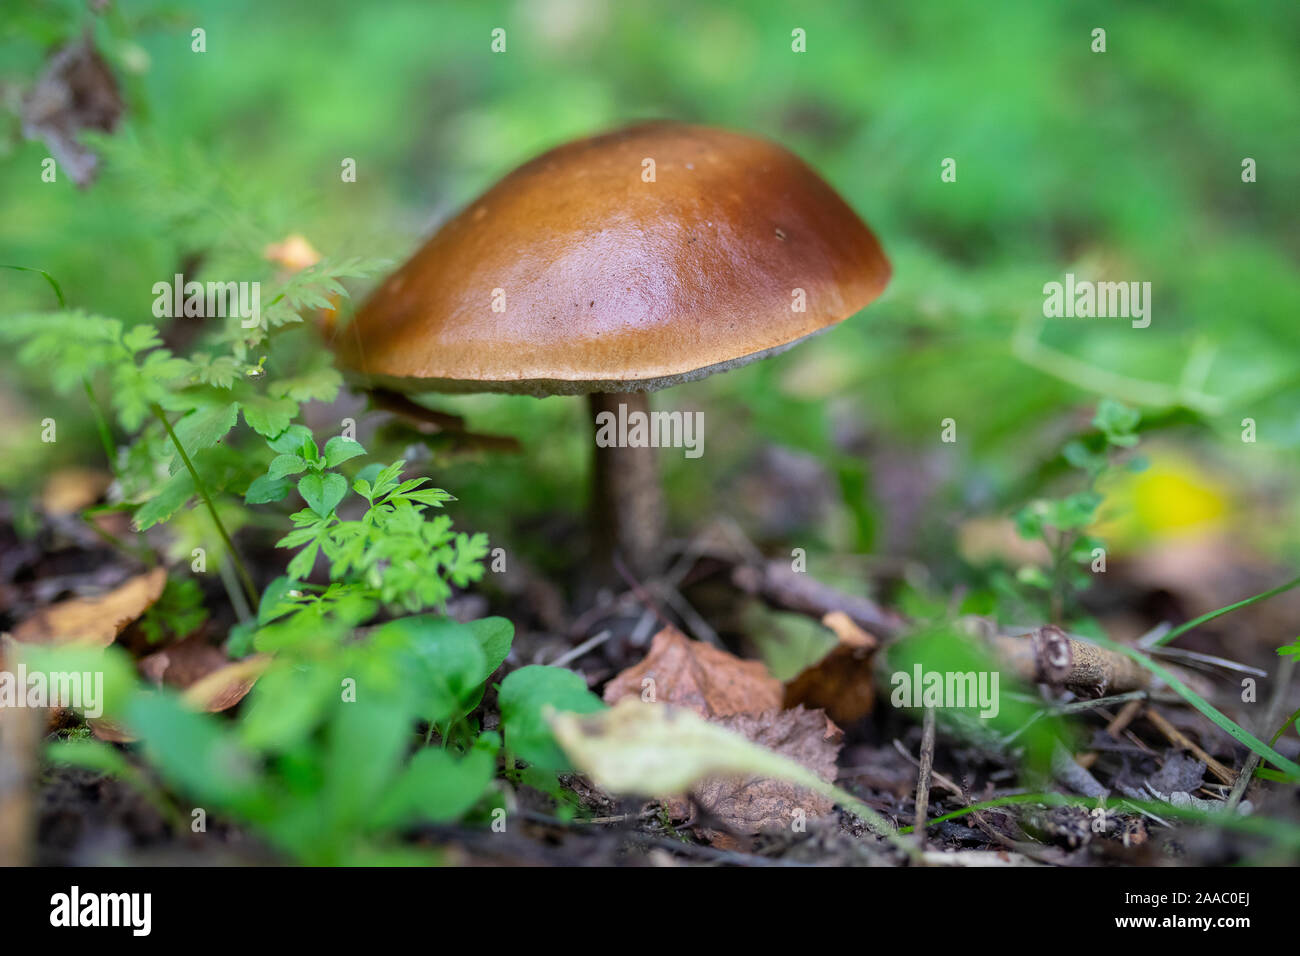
627 501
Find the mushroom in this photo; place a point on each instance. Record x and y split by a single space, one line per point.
614 266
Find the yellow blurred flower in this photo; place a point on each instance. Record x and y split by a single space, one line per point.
1173 496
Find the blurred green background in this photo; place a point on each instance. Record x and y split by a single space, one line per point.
1122 165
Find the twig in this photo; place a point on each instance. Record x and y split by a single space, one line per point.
1067 770
1079 706
1180 739
1019 846
588 645
1050 656
1127 714
1284 672
646 600
20 729
1205 661
780 585
698 627
923 777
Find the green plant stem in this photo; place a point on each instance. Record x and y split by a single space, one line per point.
101 424
143 555
1057 596
1285 724
202 489
1211 615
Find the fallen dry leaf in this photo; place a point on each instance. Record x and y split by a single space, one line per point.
750 804
76 91
219 688
841 682
109 731
211 680
183 663
70 490
93 621
696 675
228 685
658 750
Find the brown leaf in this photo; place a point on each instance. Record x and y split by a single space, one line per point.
76 91
181 664
70 490
228 685
751 804
841 682
94 621
110 731
693 674
211 681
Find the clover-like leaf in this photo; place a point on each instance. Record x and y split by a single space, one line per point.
323 492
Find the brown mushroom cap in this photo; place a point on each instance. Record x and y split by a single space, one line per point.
614 284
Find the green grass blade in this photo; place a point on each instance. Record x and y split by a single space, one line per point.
58 293
1225 723
1211 615
1277 831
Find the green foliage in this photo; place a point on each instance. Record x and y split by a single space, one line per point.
1061 523
525 696
324 761
394 554
969 260
178 613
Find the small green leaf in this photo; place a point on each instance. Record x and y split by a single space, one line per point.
525 694
339 450
171 498
269 416
435 787
1035 576
275 601
282 465
265 488
444 660
295 440
1117 422
495 635
192 750
323 492
203 428
90 754
303 562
